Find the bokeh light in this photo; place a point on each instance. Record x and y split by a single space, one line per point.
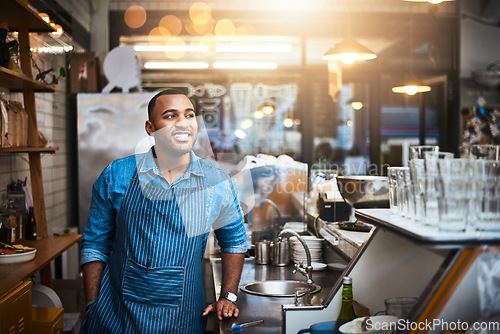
135 16
246 123
158 34
189 27
207 41
172 23
288 122
59 30
204 28
224 28
45 17
200 12
245 30
175 42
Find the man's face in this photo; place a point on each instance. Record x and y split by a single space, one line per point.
173 124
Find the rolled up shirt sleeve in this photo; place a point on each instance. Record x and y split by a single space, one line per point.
98 235
229 227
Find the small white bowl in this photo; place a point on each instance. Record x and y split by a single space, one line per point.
380 324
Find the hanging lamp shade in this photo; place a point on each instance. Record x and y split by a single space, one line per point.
348 51
411 87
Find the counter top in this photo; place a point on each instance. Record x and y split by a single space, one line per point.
47 249
268 308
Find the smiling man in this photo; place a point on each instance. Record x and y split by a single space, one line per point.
147 230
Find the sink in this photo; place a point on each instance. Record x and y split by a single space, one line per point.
278 288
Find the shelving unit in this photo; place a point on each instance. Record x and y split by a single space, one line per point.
18 82
23 19
50 149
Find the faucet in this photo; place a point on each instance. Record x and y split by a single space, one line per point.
273 205
305 270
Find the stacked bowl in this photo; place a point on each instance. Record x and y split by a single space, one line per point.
314 244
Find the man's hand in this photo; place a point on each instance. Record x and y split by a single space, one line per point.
224 309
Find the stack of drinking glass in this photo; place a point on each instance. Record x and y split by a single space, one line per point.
447 193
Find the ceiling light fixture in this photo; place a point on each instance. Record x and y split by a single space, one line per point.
434 2
355 102
283 48
246 65
412 86
156 65
349 50
356 105
171 48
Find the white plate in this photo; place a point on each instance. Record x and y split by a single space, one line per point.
17 258
337 265
318 266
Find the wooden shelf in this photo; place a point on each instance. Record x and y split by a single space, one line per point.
19 16
50 149
47 249
18 82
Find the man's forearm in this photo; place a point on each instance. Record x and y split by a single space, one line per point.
232 264
92 275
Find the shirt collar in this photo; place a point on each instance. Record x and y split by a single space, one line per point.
148 163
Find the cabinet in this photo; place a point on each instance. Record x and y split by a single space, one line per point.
48 320
15 310
400 258
23 19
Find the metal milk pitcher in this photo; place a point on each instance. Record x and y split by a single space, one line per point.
280 253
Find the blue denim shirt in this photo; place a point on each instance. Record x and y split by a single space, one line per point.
221 206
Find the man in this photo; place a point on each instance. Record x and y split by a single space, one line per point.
147 229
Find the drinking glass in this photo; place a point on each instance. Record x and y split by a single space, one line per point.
417 151
393 184
487 152
486 178
392 173
417 176
432 189
403 181
399 306
455 184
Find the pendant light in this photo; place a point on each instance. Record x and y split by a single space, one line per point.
355 102
349 50
412 86
434 2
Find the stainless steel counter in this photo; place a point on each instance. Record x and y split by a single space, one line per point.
268 308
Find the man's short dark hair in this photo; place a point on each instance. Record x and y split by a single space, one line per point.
152 102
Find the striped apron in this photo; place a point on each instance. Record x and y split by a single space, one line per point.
153 282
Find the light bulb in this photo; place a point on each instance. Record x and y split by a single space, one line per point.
58 32
267 109
258 114
348 58
246 124
434 1
240 133
356 105
44 17
411 90
288 122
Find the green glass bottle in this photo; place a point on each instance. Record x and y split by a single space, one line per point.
347 309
